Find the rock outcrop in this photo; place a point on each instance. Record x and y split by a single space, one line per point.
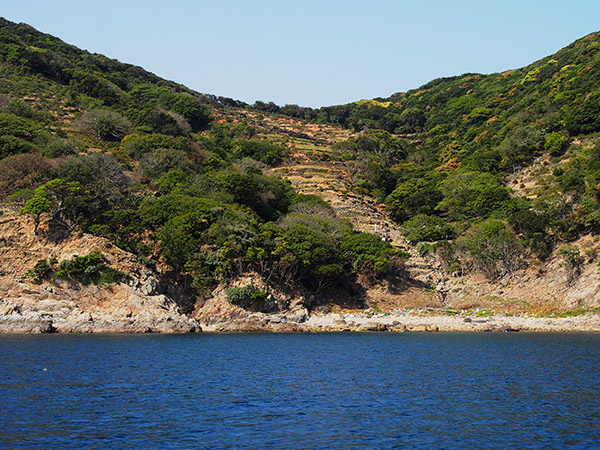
57 305
116 309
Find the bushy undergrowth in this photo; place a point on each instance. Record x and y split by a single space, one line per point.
87 269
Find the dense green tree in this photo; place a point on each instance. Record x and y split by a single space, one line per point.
18 135
533 227
427 228
196 114
494 248
415 196
556 143
472 194
371 256
62 200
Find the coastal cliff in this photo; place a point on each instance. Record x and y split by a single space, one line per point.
66 306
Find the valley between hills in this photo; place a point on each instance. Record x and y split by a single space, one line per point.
133 204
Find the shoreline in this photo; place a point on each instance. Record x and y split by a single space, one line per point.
357 322
317 323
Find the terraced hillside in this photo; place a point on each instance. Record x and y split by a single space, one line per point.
333 181
311 169
428 284
304 135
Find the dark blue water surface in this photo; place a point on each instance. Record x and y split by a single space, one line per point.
296 391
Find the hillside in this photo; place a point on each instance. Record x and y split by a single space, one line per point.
177 179
490 174
477 192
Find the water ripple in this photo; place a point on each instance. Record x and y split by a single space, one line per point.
321 391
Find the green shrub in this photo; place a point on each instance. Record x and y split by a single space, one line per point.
556 143
40 271
136 146
108 275
62 147
243 296
13 145
12 125
86 269
426 249
427 228
104 124
25 171
21 196
89 269
262 151
370 255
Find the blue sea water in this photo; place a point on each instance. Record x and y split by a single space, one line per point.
300 391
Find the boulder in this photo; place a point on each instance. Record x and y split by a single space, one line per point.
372 326
298 316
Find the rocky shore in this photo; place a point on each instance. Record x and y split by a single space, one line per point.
406 322
157 316
52 310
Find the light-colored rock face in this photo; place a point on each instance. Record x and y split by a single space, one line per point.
282 306
119 308
68 307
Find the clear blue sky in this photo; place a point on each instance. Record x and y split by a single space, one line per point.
313 52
